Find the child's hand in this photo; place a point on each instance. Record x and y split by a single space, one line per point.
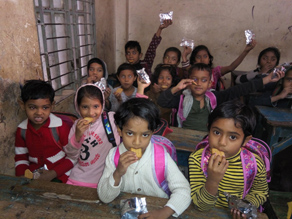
156 88
236 214
181 85
162 213
142 85
118 96
47 175
272 78
107 93
81 127
284 93
165 24
92 79
251 45
187 50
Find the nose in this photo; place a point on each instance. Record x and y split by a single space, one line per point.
39 111
91 112
136 140
222 141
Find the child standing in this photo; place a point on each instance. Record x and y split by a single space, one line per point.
97 69
230 127
137 119
197 102
88 142
35 145
126 75
201 54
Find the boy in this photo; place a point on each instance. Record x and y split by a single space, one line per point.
35 145
133 50
197 102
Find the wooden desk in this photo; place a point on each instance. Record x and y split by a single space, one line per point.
278 125
23 198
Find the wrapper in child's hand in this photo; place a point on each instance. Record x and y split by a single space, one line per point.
102 84
133 207
278 68
165 16
188 43
143 75
249 36
244 206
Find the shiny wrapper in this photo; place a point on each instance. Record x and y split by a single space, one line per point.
278 68
249 36
188 43
37 173
131 208
143 75
165 16
102 84
242 205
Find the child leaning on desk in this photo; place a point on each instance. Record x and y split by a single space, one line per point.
230 127
136 119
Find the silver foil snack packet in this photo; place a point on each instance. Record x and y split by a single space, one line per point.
133 207
188 43
102 84
276 69
143 75
249 36
165 16
242 205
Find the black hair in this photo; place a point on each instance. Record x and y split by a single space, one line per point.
126 66
173 49
89 91
37 89
138 107
243 116
270 49
98 61
172 70
200 67
132 45
198 49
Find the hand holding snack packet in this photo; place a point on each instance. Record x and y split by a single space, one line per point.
133 207
143 75
165 16
250 36
188 43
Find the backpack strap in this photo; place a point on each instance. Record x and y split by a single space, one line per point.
212 98
108 128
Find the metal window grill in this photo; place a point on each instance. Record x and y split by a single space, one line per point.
67 40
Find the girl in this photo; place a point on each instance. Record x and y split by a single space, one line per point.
127 75
137 119
97 69
88 143
230 127
201 54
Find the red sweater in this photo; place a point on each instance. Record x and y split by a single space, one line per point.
39 147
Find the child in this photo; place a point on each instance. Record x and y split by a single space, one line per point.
97 69
230 127
35 145
126 75
201 54
137 119
88 142
133 50
196 104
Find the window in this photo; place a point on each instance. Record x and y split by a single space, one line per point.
66 31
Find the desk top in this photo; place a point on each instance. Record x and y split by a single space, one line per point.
276 116
23 198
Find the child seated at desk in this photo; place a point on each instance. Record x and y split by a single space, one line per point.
136 120
197 102
35 145
230 127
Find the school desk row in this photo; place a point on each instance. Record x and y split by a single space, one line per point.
24 198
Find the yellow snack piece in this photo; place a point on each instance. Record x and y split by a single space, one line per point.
88 120
137 151
220 153
164 86
119 90
28 174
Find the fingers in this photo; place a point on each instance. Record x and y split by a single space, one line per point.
236 214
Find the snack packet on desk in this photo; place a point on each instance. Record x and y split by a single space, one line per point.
165 16
249 36
36 173
143 75
242 205
101 84
133 207
188 43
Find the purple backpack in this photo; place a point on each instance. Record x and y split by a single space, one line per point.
249 165
159 159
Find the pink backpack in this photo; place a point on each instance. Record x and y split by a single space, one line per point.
248 160
159 159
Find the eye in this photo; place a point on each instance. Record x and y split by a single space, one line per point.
215 132
169 78
123 76
100 70
232 137
84 107
96 106
145 135
205 56
204 80
45 107
130 76
32 107
129 133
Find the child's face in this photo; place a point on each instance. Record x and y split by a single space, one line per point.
203 82
226 137
202 57
268 61
95 70
133 56
287 81
126 79
37 111
136 134
171 58
164 80
90 107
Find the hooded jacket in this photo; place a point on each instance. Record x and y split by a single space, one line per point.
90 153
